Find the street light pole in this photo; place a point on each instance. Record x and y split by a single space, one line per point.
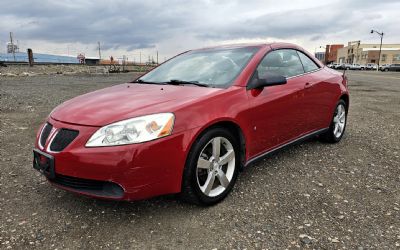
380 46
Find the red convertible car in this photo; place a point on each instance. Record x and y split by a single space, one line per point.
189 125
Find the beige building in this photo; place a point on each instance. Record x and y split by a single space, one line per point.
356 52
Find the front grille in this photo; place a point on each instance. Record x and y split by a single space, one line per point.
63 138
93 187
45 133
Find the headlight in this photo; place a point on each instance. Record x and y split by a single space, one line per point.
135 130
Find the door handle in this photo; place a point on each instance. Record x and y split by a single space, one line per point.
307 85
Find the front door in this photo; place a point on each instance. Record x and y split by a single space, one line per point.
277 112
319 95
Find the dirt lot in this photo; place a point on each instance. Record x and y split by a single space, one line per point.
312 195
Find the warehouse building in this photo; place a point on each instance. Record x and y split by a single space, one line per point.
331 52
356 52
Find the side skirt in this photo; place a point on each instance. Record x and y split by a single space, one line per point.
275 150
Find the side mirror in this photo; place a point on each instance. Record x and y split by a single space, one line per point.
267 80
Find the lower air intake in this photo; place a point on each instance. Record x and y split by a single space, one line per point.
91 187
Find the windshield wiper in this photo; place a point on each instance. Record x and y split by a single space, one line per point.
145 82
177 82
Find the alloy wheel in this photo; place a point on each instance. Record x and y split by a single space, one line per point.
216 166
339 120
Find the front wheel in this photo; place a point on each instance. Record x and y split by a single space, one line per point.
338 124
211 168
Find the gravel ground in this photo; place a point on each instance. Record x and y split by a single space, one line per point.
312 195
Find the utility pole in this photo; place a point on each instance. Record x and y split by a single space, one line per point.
157 57
123 63
30 57
12 45
99 51
140 57
380 46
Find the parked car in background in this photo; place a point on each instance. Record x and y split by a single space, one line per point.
189 125
371 66
335 65
355 66
384 67
393 67
346 66
339 66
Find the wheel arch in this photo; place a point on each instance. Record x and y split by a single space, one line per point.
346 99
232 127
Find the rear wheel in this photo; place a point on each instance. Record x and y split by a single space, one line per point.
338 124
211 168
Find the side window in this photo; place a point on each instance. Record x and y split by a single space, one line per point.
283 62
309 65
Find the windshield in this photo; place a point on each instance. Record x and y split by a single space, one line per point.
211 67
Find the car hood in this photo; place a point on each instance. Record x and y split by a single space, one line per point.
126 101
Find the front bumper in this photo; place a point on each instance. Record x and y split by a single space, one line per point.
126 172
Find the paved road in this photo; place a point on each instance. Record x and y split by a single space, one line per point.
312 195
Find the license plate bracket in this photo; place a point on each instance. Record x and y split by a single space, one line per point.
44 163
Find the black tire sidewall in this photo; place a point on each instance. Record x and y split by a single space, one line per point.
191 165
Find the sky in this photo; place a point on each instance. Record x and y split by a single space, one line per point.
141 28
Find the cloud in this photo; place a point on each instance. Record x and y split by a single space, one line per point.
175 25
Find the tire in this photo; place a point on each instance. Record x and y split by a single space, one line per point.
202 168
338 124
